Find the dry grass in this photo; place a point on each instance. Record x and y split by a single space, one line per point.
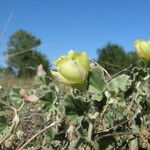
8 81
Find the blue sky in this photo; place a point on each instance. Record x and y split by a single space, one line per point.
82 25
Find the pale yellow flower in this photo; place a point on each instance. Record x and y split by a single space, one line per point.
143 49
72 68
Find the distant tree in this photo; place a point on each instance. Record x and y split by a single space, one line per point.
22 53
132 58
112 57
37 59
1 69
136 61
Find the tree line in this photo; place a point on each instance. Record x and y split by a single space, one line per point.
114 58
23 57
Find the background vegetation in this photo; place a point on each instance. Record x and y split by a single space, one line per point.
22 53
114 58
22 57
38 113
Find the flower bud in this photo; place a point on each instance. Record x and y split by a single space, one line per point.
40 71
72 68
143 49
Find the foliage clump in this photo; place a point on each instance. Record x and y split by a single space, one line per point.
22 53
109 112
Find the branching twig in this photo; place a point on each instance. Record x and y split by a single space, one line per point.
6 25
102 68
123 70
11 128
118 133
90 129
14 124
106 130
65 146
40 132
21 106
134 97
6 136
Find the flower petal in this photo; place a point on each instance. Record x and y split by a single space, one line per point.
72 71
83 59
60 78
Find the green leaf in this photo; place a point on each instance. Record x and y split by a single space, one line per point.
75 107
32 148
134 143
116 111
119 83
47 96
47 99
51 133
3 122
3 105
55 143
139 73
15 95
73 144
135 127
97 82
40 80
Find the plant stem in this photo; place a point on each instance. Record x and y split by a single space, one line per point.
119 134
102 69
90 131
13 125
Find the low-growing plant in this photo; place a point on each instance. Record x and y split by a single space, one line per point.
93 111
